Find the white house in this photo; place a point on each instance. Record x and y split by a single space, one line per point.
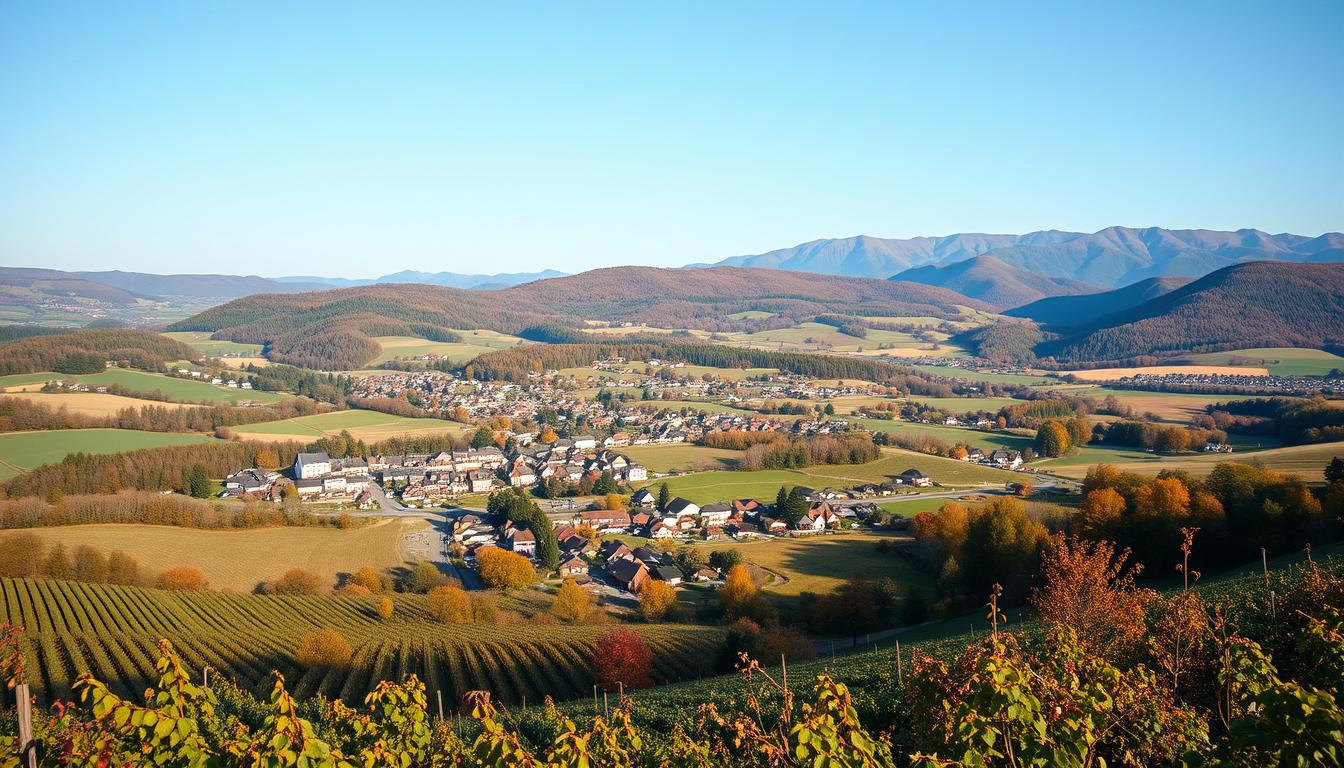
310 465
585 442
636 473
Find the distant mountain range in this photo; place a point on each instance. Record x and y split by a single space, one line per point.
994 282
1111 258
1260 304
449 279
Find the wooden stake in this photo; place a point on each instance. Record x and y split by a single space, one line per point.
900 678
784 671
1264 561
27 747
438 694
605 712
595 709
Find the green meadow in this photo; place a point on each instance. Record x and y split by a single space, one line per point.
201 341
363 425
175 389
1280 361
21 451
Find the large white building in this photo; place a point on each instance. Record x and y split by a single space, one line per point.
311 465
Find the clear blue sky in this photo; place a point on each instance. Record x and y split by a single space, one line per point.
358 139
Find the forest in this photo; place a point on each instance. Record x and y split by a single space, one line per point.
19 415
87 351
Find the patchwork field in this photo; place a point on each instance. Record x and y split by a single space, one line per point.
181 390
363 425
707 487
474 343
681 457
993 378
201 341
821 563
1306 461
239 560
1115 374
964 404
953 435
89 403
1280 361
21 451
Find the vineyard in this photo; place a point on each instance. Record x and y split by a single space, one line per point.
112 631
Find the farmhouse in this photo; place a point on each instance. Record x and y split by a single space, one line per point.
311 465
522 541
573 566
682 507
715 514
629 574
916 478
644 498
1006 459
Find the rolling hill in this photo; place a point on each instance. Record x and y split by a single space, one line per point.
333 329
450 279
994 282
1066 311
122 287
1260 304
1109 258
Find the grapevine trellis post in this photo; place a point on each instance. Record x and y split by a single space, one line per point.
27 747
900 680
438 694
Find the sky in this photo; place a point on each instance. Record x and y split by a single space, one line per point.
357 139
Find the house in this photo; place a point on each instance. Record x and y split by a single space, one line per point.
333 484
603 519
615 550
715 514
311 487
573 566
480 480
651 557
682 508
668 573
310 465
635 473
585 442
1006 459
521 475
916 478
746 506
617 440
522 541
1217 448
975 455
818 517
629 574
659 530
644 498
250 481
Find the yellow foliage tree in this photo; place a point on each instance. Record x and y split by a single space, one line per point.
385 608
324 648
738 589
449 604
504 570
656 599
572 603
547 436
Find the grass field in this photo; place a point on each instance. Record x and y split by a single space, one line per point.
953 435
827 338
1281 361
1115 374
993 378
681 457
474 343
89 403
1307 461
751 314
181 390
697 405
238 560
201 341
21 451
363 425
707 487
821 563
964 404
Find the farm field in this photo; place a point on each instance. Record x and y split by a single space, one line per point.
681 457
913 506
112 632
707 487
473 344
181 390
1169 406
1307 461
21 451
1281 361
953 435
821 337
1115 374
362 425
751 314
89 403
201 341
992 378
237 560
821 563
700 405
964 404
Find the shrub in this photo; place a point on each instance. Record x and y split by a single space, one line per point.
424 577
622 658
182 577
297 581
572 604
324 649
504 570
385 609
449 604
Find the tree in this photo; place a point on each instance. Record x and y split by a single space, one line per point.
959 453
198 481
572 603
722 560
1171 440
605 484
691 559
386 609
267 459
449 604
790 504
483 438
1101 512
547 436
297 581
622 659
664 496
182 577
58 564
21 555
424 577
613 501
1334 472
1089 589
369 579
1052 439
122 568
324 649
656 599
90 564
504 570
737 591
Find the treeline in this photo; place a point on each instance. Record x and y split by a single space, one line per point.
87 351
147 508
19 415
1163 438
24 555
1032 413
1238 509
323 387
169 468
737 440
850 326
1007 341
791 453
1293 420
974 547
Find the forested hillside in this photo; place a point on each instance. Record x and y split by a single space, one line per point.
332 329
1066 311
1260 304
992 281
86 351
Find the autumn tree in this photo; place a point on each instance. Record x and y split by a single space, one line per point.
1089 588
369 579
424 577
58 564
656 599
572 604
297 581
1052 439
547 436
504 570
386 609
622 659
1101 511
484 437
737 591
267 458
324 649
182 578
449 604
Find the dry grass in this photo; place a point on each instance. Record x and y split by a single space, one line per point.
88 403
238 560
243 362
821 563
1115 374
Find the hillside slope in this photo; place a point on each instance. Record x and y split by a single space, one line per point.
1066 311
332 329
1110 258
990 280
1260 304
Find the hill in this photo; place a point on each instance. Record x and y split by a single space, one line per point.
450 279
1261 304
333 329
1110 258
992 281
1065 311
86 351
125 287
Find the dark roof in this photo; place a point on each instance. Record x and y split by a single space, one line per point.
678 504
314 458
717 507
625 571
912 472
667 572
